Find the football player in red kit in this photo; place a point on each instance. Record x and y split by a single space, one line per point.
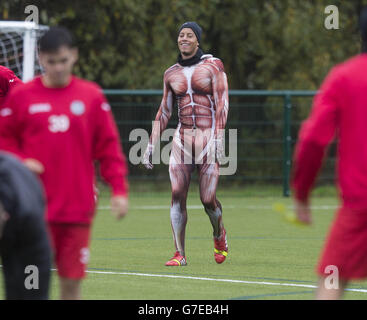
199 84
59 125
8 80
339 110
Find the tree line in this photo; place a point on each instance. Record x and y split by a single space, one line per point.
269 45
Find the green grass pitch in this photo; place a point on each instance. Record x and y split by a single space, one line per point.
268 258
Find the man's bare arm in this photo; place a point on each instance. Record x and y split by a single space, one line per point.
161 121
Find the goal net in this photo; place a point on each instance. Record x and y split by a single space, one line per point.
19 49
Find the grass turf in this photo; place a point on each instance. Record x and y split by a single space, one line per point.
128 256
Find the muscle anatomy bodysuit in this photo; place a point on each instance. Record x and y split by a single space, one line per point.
201 92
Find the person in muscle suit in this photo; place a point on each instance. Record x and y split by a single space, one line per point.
198 83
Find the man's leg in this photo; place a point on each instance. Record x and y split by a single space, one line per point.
180 175
71 247
26 259
26 277
70 289
208 181
37 254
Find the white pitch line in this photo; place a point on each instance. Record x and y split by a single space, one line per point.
200 207
216 280
160 207
212 279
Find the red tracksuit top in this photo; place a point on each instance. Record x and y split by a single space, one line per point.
66 129
8 80
339 110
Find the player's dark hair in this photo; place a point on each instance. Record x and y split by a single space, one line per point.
55 38
363 28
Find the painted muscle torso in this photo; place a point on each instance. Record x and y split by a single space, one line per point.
201 93
193 89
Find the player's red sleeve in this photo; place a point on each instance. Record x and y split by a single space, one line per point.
108 151
315 134
8 80
308 158
15 81
11 126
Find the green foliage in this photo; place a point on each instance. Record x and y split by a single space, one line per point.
283 44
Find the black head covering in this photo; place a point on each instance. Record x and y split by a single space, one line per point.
194 27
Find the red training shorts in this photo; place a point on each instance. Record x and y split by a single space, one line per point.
346 245
70 244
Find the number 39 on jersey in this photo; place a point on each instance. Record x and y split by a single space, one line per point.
58 123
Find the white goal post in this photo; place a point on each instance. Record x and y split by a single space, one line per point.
18 47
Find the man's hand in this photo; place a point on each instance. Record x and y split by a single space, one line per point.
119 206
34 165
303 211
147 157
